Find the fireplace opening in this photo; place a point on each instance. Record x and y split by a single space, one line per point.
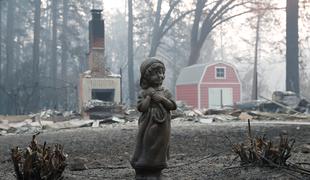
103 94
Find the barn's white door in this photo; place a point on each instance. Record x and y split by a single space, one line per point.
219 97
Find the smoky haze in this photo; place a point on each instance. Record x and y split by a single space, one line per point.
44 46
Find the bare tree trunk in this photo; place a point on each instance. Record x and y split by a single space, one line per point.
254 86
53 72
154 47
9 53
155 34
36 57
195 50
194 55
131 83
205 22
292 64
161 27
1 61
64 54
1 76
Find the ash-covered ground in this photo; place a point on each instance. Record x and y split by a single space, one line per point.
198 151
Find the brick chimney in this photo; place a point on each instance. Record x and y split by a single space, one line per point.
100 83
96 44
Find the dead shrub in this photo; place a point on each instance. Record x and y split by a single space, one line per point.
38 162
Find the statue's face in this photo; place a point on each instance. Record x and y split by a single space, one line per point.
157 75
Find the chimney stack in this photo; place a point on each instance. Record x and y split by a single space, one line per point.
98 83
96 30
96 44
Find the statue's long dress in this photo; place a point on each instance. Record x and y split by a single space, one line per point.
152 148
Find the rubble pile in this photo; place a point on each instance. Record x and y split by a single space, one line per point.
95 103
283 106
100 113
34 123
54 115
38 161
181 111
188 113
28 125
97 109
285 102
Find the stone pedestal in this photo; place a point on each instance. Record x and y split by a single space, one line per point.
147 174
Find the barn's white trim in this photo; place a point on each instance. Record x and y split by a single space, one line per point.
229 64
215 72
238 78
194 74
175 92
198 95
199 87
240 92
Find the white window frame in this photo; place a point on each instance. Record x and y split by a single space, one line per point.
220 67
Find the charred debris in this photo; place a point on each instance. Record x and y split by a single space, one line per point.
259 151
38 162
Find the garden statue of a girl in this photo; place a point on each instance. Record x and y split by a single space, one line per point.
155 103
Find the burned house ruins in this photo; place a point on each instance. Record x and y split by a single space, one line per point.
97 84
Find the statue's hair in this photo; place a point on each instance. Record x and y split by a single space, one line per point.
144 80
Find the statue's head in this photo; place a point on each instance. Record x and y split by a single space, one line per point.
152 73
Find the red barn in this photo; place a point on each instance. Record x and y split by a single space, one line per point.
209 85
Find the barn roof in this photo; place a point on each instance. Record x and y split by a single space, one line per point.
191 74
